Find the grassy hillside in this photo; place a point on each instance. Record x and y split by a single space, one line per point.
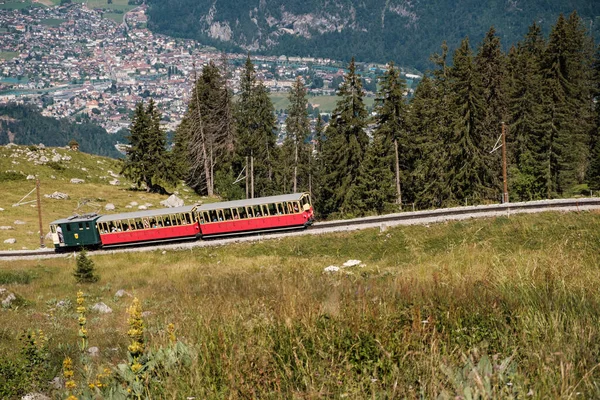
92 195
503 307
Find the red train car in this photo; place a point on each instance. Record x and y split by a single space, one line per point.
255 215
149 226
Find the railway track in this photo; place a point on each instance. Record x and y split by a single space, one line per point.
383 221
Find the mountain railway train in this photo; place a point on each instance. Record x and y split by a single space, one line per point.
264 214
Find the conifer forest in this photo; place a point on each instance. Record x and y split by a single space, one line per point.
432 150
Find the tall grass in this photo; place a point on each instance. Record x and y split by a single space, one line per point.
504 307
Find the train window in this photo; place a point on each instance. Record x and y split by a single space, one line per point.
132 224
227 214
87 225
234 213
250 212
153 223
180 220
80 226
205 217
213 216
257 212
295 207
186 219
242 212
265 210
272 209
52 228
68 227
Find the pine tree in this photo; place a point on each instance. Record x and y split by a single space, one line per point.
147 162
527 139
594 169
297 128
256 136
203 137
85 270
344 146
391 122
470 178
431 122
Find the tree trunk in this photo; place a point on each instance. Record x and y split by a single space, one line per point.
295 166
251 177
398 189
247 175
211 184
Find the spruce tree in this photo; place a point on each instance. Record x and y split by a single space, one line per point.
202 138
471 177
256 126
85 270
391 123
297 129
344 146
147 162
594 169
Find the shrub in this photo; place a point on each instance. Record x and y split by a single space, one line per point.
56 165
11 176
85 272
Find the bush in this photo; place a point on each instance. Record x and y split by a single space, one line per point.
11 176
85 272
56 165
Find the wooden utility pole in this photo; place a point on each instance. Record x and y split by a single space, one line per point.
251 176
39 207
504 175
247 176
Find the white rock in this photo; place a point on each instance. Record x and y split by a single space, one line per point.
10 241
148 204
77 180
57 383
102 308
331 268
66 158
57 196
351 263
52 177
142 207
41 146
7 301
121 293
84 169
115 182
30 177
1 209
43 159
6 228
109 207
133 203
146 313
94 351
56 158
172 201
19 222
35 396
128 206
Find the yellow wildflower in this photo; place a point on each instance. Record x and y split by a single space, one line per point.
70 384
171 330
71 397
135 368
91 386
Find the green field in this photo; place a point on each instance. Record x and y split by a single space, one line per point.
18 4
52 21
116 4
493 308
324 103
8 55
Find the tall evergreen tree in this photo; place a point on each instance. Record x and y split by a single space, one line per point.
203 137
527 139
298 130
430 120
391 123
471 175
256 136
594 170
147 161
344 146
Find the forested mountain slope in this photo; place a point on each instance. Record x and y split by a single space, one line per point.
25 125
406 31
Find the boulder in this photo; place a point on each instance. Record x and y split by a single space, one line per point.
41 146
8 299
109 207
56 158
30 177
43 160
121 293
101 308
57 196
172 201
115 182
66 158
10 241
351 263
331 269
142 207
133 203
1 209
77 180
6 228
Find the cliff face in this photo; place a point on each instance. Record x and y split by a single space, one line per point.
406 31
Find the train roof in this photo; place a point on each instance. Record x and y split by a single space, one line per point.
251 202
147 213
76 218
